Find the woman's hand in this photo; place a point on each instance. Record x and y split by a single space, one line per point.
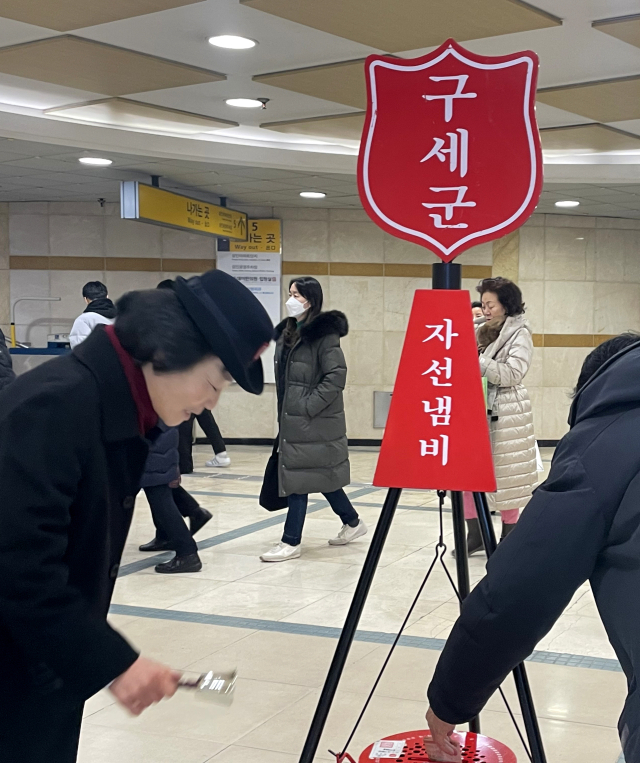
441 733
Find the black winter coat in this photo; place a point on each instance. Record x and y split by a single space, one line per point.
161 467
71 459
582 524
313 449
7 374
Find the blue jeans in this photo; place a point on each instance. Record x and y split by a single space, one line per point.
297 512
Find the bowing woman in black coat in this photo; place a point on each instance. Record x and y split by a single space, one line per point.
74 436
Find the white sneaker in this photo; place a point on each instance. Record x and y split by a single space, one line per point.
347 534
281 553
220 459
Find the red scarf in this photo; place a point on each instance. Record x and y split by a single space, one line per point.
147 417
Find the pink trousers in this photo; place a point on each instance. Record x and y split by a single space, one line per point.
509 517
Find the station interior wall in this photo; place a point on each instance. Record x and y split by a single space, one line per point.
580 277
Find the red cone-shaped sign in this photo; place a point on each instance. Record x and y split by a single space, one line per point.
450 154
437 435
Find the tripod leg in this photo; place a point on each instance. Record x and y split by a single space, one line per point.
519 674
462 564
350 626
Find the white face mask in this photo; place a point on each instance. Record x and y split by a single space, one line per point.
295 307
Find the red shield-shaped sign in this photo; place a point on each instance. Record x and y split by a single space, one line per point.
450 154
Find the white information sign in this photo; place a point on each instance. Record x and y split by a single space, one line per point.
261 272
387 749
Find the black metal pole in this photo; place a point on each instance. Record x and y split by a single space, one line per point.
519 674
350 626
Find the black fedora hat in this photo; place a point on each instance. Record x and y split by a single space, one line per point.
232 320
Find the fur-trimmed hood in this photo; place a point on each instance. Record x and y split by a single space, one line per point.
331 322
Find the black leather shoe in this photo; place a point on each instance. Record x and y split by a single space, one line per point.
156 545
188 563
199 520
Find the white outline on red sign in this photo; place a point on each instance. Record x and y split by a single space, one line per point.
374 114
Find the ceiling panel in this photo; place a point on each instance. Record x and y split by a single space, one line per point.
339 126
123 112
612 100
592 137
409 24
340 83
626 28
92 66
64 15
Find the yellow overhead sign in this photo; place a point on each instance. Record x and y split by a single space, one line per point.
264 236
154 205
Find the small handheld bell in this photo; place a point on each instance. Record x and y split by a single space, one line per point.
217 688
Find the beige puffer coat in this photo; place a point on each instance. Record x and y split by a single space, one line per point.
505 363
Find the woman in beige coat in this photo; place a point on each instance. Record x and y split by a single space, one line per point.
506 350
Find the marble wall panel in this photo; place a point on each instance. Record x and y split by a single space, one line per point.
393 342
5 299
533 296
364 354
361 298
358 403
29 234
398 298
568 307
4 241
241 415
81 208
556 402
129 238
183 245
355 242
566 253
76 236
616 252
406 252
562 365
119 282
305 240
29 208
616 308
532 253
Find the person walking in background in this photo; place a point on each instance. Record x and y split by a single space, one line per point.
505 348
476 310
99 309
313 453
7 374
160 476
210 428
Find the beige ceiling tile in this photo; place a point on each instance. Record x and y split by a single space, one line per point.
340 83
123 112
613 100
340 126
93 66
596 138
65 15
410 24
625 28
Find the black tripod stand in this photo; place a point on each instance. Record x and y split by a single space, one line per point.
445 276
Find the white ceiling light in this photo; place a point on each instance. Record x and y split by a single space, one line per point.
232 42
312 194
245 103
567 203
95 161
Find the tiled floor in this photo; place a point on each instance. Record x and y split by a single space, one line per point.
279 623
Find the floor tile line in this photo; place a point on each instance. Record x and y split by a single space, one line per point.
373 637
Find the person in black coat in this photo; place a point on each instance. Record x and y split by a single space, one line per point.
582 524
73 444
7 374
160 482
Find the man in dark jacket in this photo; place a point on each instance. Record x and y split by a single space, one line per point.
73 444
7 374
582 524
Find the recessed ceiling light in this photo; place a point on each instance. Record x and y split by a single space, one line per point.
312 194
245 103
232 41
567 203
95 161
